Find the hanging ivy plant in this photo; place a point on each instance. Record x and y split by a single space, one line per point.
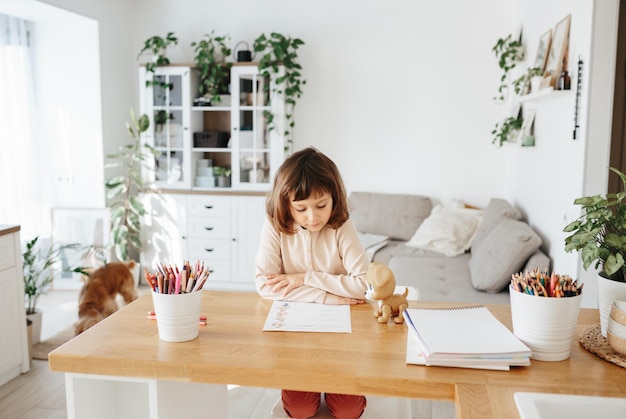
276 50
509 52
521 85
157 47
504 130
210 60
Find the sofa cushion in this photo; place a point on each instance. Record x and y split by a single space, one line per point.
394 215
441 278
496 211
538 260
448 230
502 253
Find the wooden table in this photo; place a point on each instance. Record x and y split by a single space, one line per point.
233 349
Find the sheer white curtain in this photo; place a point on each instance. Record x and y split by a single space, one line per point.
25 186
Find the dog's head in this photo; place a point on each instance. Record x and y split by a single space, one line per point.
381 283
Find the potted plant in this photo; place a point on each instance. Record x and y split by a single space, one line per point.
122 190
157 47
37 264
223 176
279 50
522 84
210 59
505 130
509 52
599 234
160 119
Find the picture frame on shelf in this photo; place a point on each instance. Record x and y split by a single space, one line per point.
543 49
558 53
516 113
527 136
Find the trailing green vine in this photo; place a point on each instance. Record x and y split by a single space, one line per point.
504 130
157 47
211 64
509 52
280 50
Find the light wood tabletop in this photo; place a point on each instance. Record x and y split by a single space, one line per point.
233 349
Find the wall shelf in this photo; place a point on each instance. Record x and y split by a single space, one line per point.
545 94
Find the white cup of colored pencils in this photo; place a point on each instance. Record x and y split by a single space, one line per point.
168 279
544 312
177 299
540 284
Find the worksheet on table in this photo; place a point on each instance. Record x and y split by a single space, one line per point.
289 316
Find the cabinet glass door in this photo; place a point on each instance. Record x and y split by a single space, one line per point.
168 128
251 165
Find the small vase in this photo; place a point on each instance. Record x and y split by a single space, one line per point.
536 84
608 292
36 318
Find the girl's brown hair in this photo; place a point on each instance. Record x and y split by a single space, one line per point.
306 173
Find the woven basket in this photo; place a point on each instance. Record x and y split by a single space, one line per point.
212 139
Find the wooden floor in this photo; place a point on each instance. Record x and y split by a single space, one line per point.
40 394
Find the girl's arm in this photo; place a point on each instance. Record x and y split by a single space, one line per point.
352 256
269 261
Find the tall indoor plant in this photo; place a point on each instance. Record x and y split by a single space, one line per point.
600 236
280 50
123 190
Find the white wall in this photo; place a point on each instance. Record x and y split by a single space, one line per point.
546 179
398 93
68 91
117 63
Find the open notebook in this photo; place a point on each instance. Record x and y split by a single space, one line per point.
469 337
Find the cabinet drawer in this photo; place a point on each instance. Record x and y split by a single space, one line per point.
220 271
208 206
208 227
7 251
206 250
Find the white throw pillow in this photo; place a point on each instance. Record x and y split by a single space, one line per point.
448 230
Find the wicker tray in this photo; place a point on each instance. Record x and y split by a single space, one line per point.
593 341
210 139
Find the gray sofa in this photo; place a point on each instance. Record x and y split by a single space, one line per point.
498 244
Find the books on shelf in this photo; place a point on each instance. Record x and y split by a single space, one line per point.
466 337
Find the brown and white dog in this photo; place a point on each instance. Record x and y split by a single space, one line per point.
97 298
381 285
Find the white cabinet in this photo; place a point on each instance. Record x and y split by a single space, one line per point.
195 218
233 135
221 230
14 358
209 236
249 213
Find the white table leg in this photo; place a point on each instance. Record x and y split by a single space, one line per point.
106 397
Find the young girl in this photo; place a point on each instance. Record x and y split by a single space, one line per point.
310 252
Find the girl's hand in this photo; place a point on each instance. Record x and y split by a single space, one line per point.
285 282
335 299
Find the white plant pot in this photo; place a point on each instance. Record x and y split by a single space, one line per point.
608 291
36 318
536 84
